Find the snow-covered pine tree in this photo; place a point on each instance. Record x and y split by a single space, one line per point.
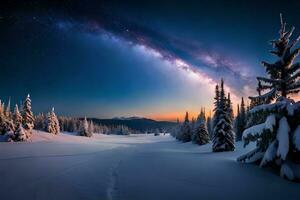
17 117
28 118
91 127
185 130
200 134
223 136
275 125
52 123
20 133
15 122
6 122
84 129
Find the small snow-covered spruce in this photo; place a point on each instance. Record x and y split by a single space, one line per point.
275 126
84 129
28 118
223 135
17 121
52 123
91 127
17 117
20 133
200 134
185 130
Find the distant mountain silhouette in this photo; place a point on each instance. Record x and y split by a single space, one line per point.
136 123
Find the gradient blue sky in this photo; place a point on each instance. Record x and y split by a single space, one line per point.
144 58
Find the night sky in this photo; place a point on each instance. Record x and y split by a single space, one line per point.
155 59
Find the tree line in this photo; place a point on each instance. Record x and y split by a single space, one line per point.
17 125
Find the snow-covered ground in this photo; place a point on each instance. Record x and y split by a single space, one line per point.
131 167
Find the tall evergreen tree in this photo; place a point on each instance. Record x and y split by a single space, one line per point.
223 137
52 123
200 134
275 126
185 131
17 117
91 127
28 118
84 129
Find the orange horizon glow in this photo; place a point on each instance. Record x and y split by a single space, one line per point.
173 116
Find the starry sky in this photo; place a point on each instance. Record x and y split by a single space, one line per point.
154 59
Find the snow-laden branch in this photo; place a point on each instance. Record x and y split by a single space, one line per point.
267 96
257 130
265 87
287 104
